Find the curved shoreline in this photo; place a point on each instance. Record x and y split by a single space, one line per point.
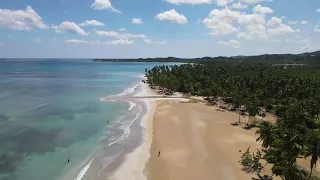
134 163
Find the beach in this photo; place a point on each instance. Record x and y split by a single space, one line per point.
196 142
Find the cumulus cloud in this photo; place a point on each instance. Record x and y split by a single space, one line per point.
75 41
107 33
122 29
91 23
137 21
232 43
69 27
292 22
262 10
119 42
221 21
277 27
248 26
21 19
104 4
178 2
318 10
118 35
239 5
304 22
317 28
223 2
172 16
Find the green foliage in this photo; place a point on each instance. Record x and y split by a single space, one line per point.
251 162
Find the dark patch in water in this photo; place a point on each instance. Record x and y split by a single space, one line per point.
8 163
3 117
24 144
34 141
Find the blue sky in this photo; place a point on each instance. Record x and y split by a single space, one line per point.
157 28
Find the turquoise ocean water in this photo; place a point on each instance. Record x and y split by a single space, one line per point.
51 111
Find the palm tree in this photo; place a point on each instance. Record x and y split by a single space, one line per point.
252 109
266 133
312 148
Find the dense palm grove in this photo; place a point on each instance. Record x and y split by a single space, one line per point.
292 94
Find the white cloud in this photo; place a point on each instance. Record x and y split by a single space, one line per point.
119 42
219 27
104 4
69 27
239 6
91 23
220 21
248 26
148 41
179 2
292 22
232 43
223 2
75 41
162 42
253 31
122 29
21 19
262 10
318 10
304 22
137 21
118 35
277 27
107 33
172 16
317 28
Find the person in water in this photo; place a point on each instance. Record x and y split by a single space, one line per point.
68 160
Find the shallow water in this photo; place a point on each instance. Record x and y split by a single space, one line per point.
51 111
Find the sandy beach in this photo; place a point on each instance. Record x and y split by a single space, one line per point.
196 142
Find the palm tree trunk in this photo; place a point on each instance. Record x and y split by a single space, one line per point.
310 174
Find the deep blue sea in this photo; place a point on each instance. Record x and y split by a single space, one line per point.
51 111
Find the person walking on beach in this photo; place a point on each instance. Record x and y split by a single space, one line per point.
159 154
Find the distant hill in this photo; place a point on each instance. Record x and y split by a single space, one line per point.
274 58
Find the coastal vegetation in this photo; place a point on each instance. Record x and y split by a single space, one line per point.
289 91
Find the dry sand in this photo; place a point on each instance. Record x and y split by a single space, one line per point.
196 142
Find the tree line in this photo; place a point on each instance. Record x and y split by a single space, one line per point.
293 95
